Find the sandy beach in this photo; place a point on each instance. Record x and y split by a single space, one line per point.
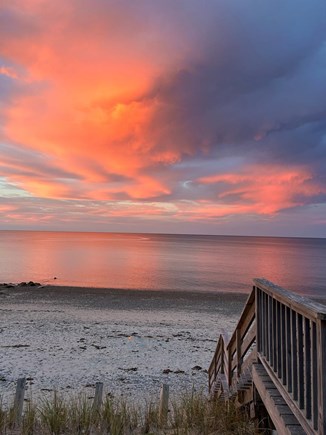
68 338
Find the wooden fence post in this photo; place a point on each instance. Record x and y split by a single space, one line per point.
321 355
98 396
164 403
19 400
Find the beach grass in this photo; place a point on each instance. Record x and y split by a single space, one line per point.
192 413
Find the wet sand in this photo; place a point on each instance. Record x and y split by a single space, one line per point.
68 338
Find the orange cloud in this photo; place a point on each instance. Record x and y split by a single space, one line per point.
267 189
87 114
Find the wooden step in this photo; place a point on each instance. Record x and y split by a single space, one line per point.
283 418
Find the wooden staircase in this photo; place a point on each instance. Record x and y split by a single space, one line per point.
275 360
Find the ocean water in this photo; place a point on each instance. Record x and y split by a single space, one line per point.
163 262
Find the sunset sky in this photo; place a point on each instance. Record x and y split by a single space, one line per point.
173 116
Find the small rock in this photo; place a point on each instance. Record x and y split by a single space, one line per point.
167 371
98 347
196 368
179 371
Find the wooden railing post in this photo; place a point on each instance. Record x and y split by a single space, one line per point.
222 356
321 357
239 357
257 314
229 366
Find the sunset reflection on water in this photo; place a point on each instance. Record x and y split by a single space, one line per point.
163 262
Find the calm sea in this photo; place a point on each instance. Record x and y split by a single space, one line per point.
163 262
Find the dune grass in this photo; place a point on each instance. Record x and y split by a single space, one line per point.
191 414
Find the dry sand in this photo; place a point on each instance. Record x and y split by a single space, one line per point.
68 338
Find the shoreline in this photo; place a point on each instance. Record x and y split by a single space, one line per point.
110 298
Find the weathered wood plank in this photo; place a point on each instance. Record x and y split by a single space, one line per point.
250 301
300 362
270 329
248 320
239 355
248 341
278 339
98 396
294 344
19 400
307 368
289 354
164 403
283 345
314 383
321 357
274 331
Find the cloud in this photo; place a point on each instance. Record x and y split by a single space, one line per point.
217 110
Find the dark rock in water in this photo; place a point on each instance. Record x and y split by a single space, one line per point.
22 284
197 368
9 286
167 371
179 371
32 284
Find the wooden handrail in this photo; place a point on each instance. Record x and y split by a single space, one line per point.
301 304
287 334
231 354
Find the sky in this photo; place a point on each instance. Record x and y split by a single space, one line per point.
187 116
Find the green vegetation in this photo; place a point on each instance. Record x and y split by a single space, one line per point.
192 414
